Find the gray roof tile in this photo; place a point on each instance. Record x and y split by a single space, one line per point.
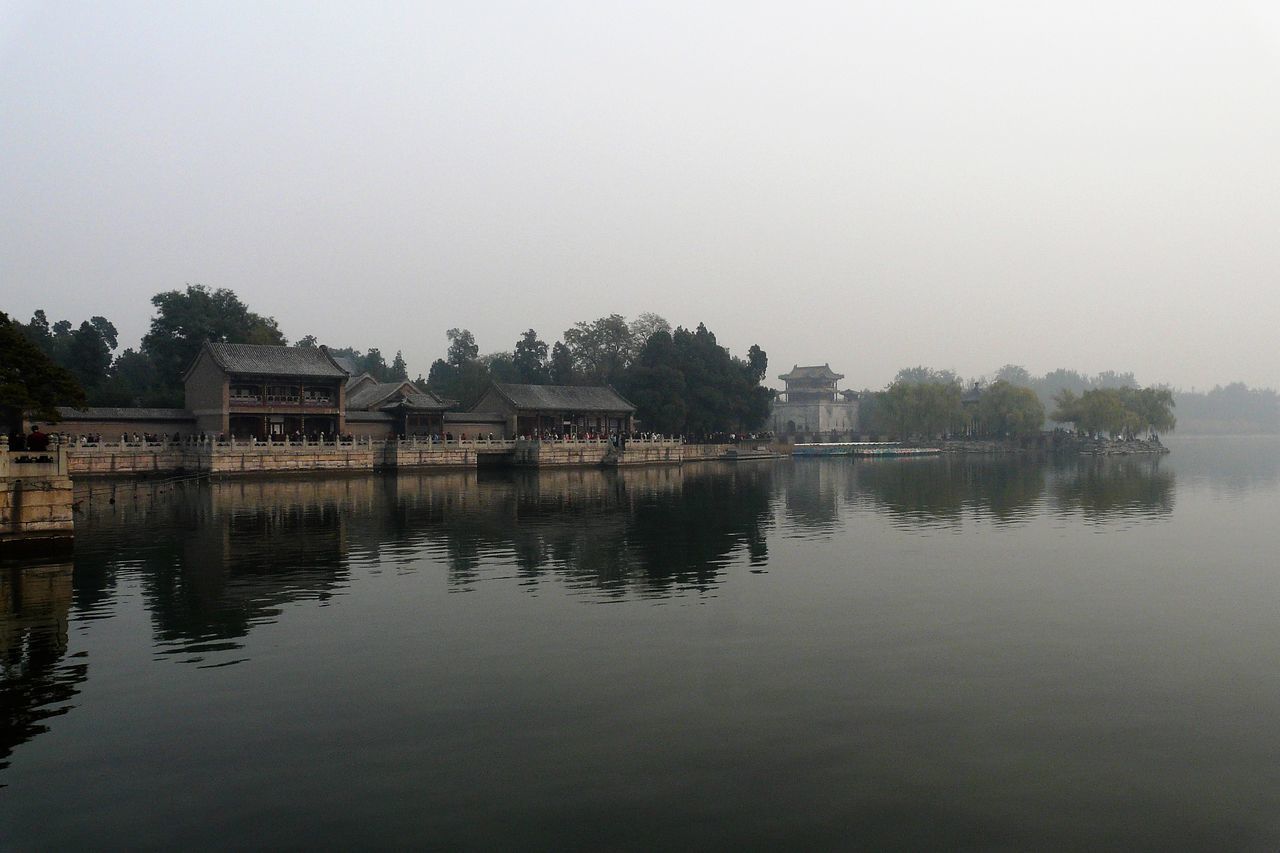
275 361
817 371
569 398
119 413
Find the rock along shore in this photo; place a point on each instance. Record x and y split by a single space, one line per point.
1061 442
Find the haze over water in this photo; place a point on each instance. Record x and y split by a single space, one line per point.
813 653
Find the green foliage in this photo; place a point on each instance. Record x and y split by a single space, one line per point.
84 351
912 407
463 376
501 367
29 379
399 370
186 319
462 347
530 360
1233 408
1007 410
687 383
601 349
560 366
1117 411
926 376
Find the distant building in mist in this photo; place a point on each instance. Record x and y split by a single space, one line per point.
811 408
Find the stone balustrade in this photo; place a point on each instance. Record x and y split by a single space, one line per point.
225 455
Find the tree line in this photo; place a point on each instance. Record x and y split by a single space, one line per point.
682 381
927 403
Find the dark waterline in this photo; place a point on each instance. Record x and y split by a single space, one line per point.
915 653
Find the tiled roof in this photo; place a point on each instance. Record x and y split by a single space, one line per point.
383 395
564 398
425 400
118 413
275 361
368 395
369 417
474 417
817 371
346 363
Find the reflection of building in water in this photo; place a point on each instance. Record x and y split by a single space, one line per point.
220 558
811 492
35 683
812 408
650 528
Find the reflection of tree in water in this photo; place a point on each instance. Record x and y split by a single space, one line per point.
216 559
1100 488
1011 488
35 681
811 488
656 527
912 488
1005 488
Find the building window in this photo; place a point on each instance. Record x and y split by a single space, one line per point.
318 396
282 394
245 394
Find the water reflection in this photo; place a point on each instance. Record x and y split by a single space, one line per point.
1113 487
943 492
36 681
217 558
647 531
1230 466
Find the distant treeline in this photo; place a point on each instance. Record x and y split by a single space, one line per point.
681 380
1234 408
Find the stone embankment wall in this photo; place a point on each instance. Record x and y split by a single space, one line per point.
552 454
36 497
650 453
228 458
706 452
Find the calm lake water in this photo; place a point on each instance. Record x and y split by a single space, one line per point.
811 654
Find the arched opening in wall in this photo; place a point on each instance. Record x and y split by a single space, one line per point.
791 426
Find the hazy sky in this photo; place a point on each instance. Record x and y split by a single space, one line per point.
874 185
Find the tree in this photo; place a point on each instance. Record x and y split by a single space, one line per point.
88 354
30 381
909 407
461 376
501 367
601 349
134 381
1009 410
462 347
1014 375
687 383
656 385
375 365
530 359
926 375
186 319
307 342
399 369
561 365
758 359
644 327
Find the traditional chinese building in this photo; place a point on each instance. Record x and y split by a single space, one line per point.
407 410
812 408
250 390
561 409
